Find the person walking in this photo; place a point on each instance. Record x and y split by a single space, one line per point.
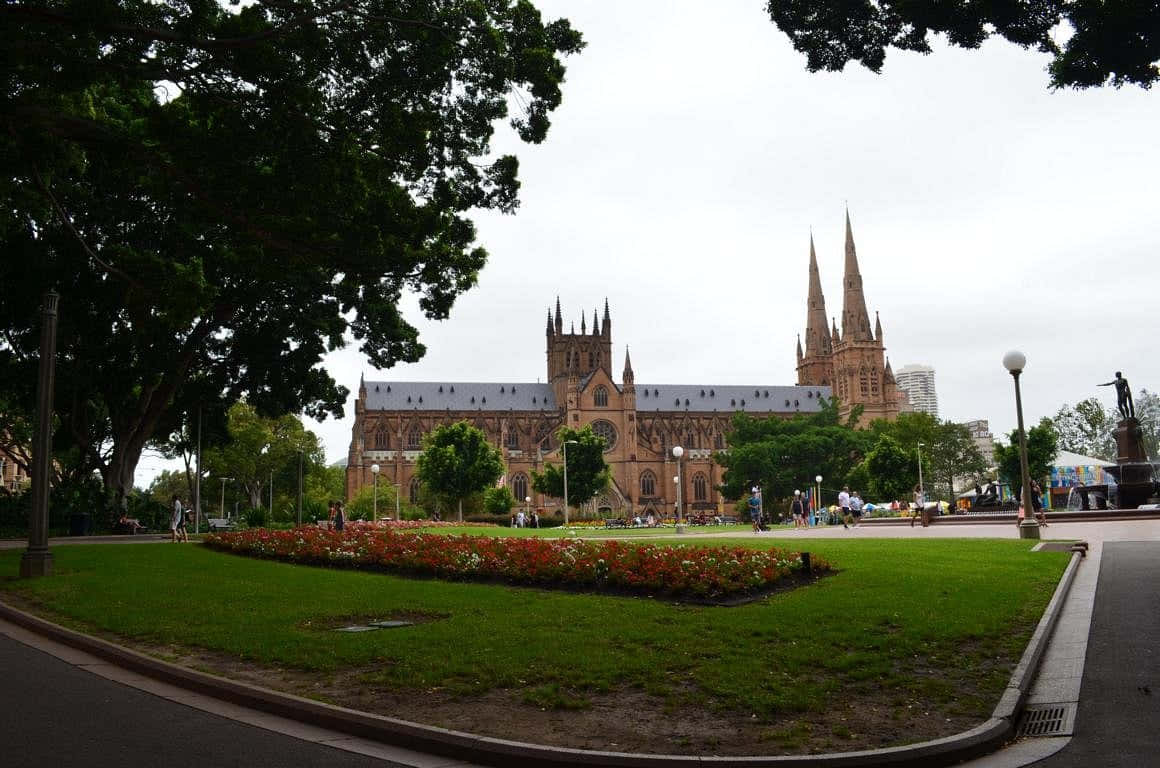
1037 503
339 516
177 522
797 510
844 505
754 504
919 508
856 507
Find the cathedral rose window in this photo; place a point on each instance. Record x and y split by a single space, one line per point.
605 430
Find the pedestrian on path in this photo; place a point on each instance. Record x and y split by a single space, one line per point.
339 516
844 505
754 504
177 522
797 510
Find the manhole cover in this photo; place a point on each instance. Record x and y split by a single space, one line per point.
1047 720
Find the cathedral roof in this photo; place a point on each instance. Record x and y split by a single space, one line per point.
458 396
729 397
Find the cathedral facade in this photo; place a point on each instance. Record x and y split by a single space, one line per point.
853 362
640 423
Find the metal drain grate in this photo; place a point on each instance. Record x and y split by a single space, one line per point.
1047 720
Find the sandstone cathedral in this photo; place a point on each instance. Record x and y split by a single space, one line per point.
640 423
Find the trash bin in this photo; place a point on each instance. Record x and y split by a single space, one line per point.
80 524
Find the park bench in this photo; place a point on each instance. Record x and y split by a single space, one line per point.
729 520
220 524
615 522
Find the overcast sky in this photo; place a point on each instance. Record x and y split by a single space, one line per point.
694 152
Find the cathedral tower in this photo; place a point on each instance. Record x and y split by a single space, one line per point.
814 366
853 361
573 356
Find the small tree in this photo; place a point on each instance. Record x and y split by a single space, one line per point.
1041 450
498 501
953 454
456 462
588 473
1086 429
893 471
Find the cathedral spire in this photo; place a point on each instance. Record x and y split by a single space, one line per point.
549 321
559 319
626 377
799 348
607 327
877 328
595 324
855 318
817 340
834 337
583 328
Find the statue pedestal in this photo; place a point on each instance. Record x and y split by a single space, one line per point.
1132 470
1129 442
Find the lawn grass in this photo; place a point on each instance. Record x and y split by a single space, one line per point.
598 532
941 622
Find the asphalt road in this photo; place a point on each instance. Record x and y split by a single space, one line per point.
1118 721
53 714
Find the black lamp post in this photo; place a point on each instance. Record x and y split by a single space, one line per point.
1014 361
37 560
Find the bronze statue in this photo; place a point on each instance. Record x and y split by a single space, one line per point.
1123 396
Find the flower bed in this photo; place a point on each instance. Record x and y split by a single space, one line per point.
415 525
703 572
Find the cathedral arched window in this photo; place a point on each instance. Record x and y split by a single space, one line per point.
648 484
591 360
864 382
415 489
874 381
520 487
719 441
513 440
691 439
700 487
414 439
600 397
381 439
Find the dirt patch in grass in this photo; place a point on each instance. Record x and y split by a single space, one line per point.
627 720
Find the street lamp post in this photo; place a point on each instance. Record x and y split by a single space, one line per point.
528 507
678 452
398 493
375 472
818 497
37 559
565 447
1014 361
921 489
224 481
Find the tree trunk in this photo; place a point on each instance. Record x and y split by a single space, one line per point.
459 514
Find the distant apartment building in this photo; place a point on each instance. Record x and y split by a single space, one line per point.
980 430
917 381
12 475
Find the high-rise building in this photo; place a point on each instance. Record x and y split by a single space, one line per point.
917 381
853 362
980 430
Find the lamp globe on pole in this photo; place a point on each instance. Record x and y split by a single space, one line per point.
818 497
375 471
1015 361
678 452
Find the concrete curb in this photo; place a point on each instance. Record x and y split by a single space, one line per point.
469 747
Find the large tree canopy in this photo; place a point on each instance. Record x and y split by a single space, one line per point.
1092 42
222 192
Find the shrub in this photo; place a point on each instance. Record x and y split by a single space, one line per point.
256 517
